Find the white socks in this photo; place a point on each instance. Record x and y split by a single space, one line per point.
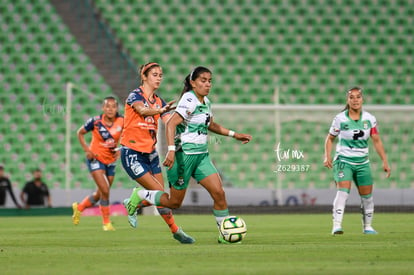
152 196
367 209
339 208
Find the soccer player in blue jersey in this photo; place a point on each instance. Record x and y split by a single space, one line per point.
353 127
187 155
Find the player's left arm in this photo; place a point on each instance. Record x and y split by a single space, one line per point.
220 130
379 147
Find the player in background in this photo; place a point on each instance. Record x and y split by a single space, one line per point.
36 191
353 126
187 154
139 157
101 155
5 185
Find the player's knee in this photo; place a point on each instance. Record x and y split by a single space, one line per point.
175 205
219 195
104 194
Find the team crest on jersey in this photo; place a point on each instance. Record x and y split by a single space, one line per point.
365 125
104 132
149 119
180 181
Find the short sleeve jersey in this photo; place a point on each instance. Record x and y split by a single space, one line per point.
104 138
140 132
35 194
353 136
191 134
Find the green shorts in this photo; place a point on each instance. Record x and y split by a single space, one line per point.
359 173
198 166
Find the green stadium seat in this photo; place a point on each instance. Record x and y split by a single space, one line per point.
322 51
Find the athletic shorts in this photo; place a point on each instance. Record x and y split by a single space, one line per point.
360 174
198 166
95 164
137 164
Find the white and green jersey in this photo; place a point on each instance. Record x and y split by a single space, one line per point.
191 134
352 146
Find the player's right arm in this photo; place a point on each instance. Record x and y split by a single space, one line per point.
142 110
23 198
81 137
170 130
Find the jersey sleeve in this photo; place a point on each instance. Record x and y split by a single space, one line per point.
45 189
26 188
134 97
186 106
335 127
89 124
374 127
373 122
207 101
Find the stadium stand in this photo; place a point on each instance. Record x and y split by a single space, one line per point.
39 56
299 46
311 51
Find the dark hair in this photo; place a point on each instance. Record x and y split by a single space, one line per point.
347 92
110 98
193 76
144 69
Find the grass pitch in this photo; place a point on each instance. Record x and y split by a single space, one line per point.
275 244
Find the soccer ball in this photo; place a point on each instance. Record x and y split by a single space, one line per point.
233 229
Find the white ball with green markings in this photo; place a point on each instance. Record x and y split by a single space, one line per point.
233 229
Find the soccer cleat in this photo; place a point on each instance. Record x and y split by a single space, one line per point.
76 214
134 201
132 219
337 231
108 227
182 237
370 231
221 240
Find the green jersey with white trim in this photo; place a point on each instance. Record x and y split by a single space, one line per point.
191 134
352 146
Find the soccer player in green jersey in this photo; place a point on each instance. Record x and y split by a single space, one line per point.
187 154
353 126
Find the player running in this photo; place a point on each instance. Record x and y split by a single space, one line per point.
187 155
139 157
354 127
100 158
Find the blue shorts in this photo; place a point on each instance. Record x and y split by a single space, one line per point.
137 164
95 164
